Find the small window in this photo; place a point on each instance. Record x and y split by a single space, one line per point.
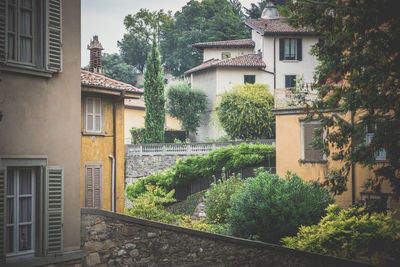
371 130
250 79
308 130
290 49
225 55
290 81
94 185
94 115
20 210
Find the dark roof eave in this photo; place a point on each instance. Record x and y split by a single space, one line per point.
290 33
260 31
210 67
294 111
135 107
111 89
202 47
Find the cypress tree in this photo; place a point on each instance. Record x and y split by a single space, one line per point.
154 97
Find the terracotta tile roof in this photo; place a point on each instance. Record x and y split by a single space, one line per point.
91 79
243 43
274 26
135 103
246 61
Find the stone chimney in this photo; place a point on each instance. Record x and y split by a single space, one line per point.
270 11
95 48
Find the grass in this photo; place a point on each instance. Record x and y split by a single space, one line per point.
187 206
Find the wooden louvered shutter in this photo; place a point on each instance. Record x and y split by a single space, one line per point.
309 152
54 35
93 193
2 214
299 49
3 32
281 49
54 210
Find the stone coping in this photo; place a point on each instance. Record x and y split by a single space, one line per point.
235 240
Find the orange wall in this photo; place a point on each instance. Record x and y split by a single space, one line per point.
288 154
96 148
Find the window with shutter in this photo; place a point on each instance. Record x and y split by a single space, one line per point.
371 130
30 36
290 81
54 212
288 49
250 79
93 185
308 152
2 214
94 115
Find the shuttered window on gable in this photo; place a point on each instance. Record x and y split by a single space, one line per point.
93 185
290 49
310 153
30 36
94 115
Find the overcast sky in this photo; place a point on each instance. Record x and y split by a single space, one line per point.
105 19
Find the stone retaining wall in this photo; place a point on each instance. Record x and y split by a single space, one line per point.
111 239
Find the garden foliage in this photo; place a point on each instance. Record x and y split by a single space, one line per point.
352 233
268 207
231 158
170 136
218 198
245 112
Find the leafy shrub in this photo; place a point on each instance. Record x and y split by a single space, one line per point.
150 205
218 198
270 207
137 135
245 112
188 206
231 158
169 135
201 224
352 233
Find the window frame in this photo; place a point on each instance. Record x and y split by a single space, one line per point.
303 145
92 165
252 76
89 131
291 57
16 224
293 81
380 155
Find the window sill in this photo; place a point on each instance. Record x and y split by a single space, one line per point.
25 69
305 161
93 133
38 260
290 61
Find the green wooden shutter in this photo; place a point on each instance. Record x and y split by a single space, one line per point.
311 153
2 214
89 187
54 34
3 32
299 49
54 210
281 49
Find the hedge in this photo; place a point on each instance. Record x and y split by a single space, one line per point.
169 135
230 159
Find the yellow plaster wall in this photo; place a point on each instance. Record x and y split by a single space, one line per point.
288 154
135 118
98 148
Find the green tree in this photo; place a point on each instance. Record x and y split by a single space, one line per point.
199 21
115 68
154 97
359 74
186 104
245 112
141 26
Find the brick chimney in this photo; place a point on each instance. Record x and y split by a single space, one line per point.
95 48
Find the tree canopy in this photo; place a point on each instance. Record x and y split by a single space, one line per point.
186 104
115 68
245 112
359 74
255 10
154 97
199 21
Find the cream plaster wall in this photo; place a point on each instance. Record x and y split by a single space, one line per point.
216 53
41 116
134 118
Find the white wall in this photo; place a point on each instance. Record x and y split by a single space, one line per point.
215 82
304 68
210 53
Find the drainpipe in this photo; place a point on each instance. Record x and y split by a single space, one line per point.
274 62
353 179
112 182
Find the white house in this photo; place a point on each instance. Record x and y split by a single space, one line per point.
277 55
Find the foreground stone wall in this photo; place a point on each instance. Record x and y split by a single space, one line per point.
119 240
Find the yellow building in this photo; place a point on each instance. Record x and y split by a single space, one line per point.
102 141
294 151
135 111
